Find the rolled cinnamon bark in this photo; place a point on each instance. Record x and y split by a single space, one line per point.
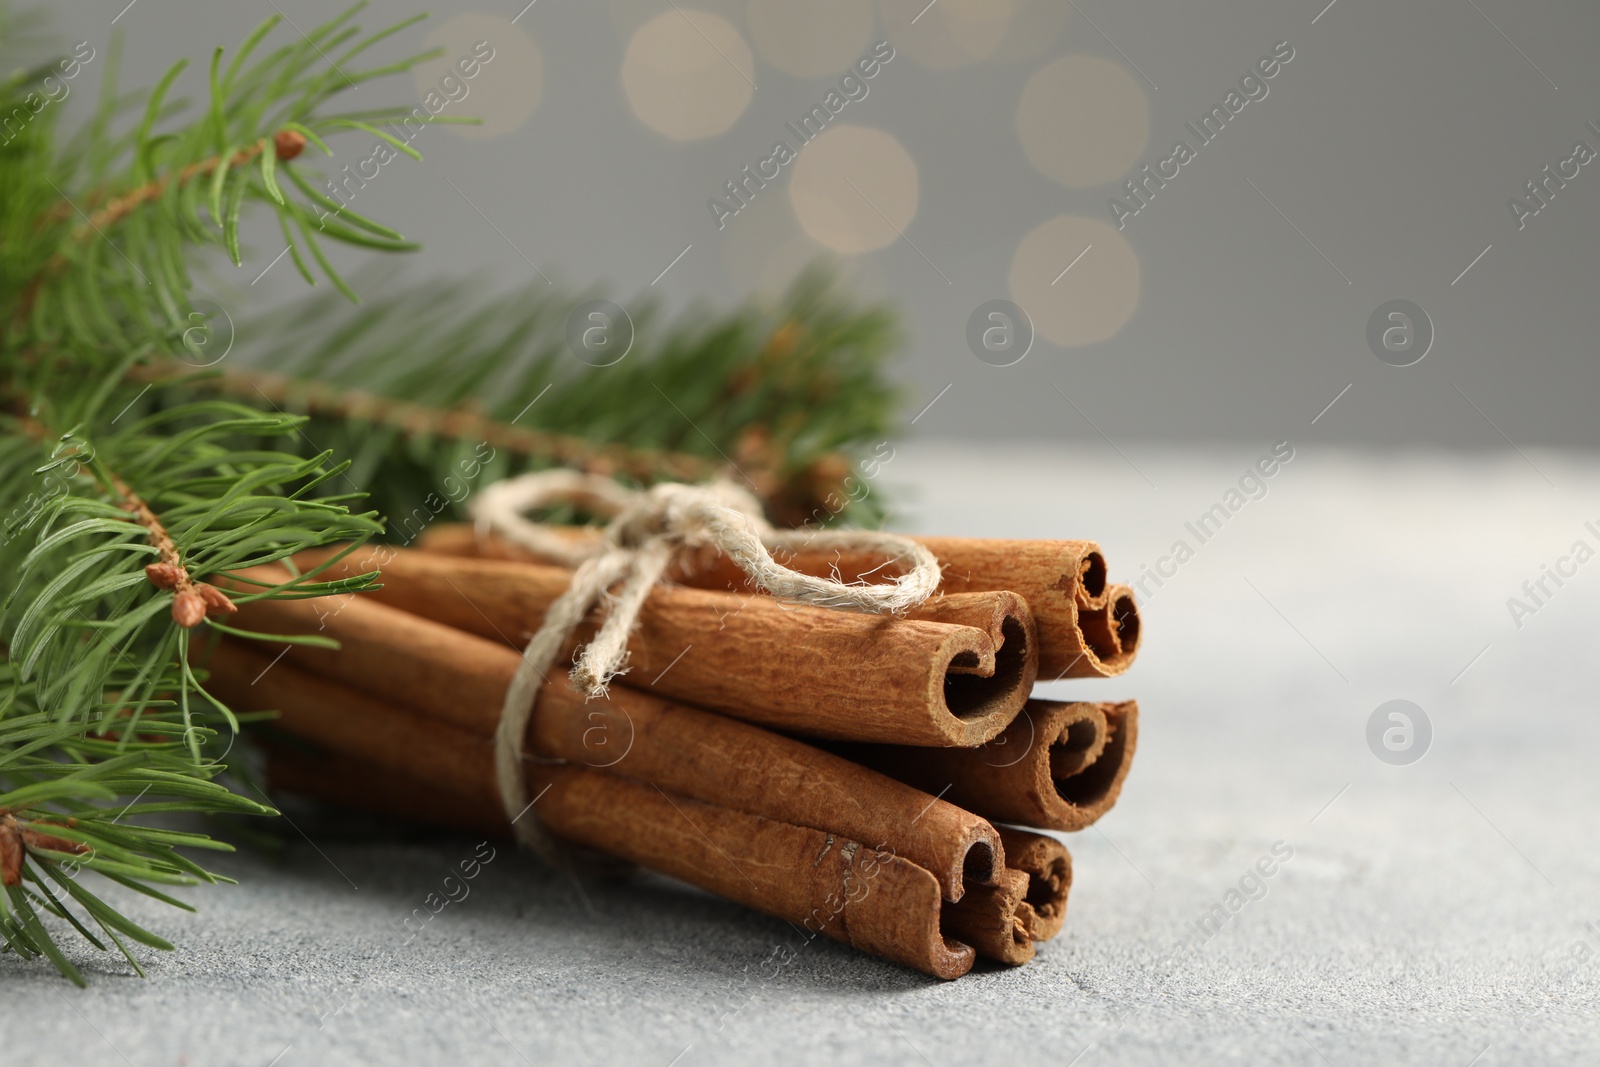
681 749
746 768
433 669
827 673
819 882
1013 778
349 782
351 720
875 901
1112 631
1048 865
1059 580
989 918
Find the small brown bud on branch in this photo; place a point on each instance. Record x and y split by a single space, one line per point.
288 143
164 575
216 601
188 609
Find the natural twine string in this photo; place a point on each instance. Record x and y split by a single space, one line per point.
647 529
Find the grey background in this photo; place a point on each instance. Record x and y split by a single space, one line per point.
1392 141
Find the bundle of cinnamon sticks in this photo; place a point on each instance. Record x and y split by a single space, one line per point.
863 777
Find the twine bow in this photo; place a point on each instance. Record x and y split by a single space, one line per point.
647 529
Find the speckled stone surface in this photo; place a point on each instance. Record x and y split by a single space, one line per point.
1430 913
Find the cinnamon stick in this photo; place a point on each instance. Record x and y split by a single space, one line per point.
1060 580
826 673
433 669
990 920
349 782
817 881
875 901
681 749
736 765
352 720
1013 778
1048 865
1112 631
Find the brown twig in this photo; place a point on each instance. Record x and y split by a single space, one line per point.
192 601
15 840
287 144
790 498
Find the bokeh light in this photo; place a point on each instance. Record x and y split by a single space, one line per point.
949 33
1083 120
688 74
854 188
1098 291
628 15
814 39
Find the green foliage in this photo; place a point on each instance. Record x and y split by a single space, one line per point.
115 455
63 785
102 716
770 394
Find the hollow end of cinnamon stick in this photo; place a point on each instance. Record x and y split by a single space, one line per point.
1080 741
1092 578
1125 616
1103 640
1048 866
1113 630
991 919
1091 792
1012 778
976 688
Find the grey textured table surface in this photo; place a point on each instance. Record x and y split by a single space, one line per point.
1443 912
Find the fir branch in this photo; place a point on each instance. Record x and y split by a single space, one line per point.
783 397
104 718
191 601
287 145
420 421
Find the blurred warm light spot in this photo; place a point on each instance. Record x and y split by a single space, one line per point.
628 15
949 33
688 74
489 69
1083 120
854 188
1035 28
766 250
1096 296
814 39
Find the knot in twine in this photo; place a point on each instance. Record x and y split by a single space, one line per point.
647 529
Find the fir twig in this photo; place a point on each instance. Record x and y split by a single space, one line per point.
104 719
